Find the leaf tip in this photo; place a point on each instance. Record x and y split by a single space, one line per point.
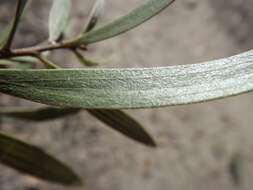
150 142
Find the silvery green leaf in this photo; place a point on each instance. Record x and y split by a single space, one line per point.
58 19
132 88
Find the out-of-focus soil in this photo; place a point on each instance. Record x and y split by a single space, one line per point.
197 143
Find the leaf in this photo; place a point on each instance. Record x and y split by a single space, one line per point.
37 114
9 32
14 63
95 15
4 62
58 19
32 160
124 124
132 88
116 119
25 59
125 23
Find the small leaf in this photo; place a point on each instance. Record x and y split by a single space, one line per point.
26 62
58 19
4 62
125 23
25 59
37 114
10 63
95 15
9 32
124 124
132 88
32 160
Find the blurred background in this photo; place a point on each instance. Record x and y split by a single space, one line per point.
202 146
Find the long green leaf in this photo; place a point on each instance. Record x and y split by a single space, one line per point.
32 160
126 23
58 19
37 114
10 31
116 119
124 124
132 88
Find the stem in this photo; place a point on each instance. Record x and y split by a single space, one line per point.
35 50
18 14
47 63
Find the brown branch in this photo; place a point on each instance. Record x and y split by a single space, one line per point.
33 51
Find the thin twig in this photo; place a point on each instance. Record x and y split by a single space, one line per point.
31 51
46 62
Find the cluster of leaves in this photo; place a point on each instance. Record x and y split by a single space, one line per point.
102 92
24 157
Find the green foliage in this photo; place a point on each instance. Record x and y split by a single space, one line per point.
101 92
34 161
126 23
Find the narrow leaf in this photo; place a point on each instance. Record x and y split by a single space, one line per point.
126 23
4 62
37 114
116 119
95 15
32 160
8 34
14 64
132 88
124 124
58 19
25 59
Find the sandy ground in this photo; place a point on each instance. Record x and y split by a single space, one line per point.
197 143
